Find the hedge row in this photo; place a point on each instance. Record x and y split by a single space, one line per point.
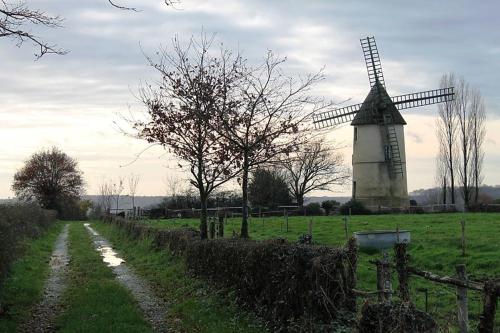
295 287
18 221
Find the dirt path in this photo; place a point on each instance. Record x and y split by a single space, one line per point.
154 308
44 313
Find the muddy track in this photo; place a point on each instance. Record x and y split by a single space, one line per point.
44 313
153 307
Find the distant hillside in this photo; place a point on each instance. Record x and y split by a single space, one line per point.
125 201
433 195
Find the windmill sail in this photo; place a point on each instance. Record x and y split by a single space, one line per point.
372 60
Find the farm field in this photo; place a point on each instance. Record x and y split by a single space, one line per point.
435 246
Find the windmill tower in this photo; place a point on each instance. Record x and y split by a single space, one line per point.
379 158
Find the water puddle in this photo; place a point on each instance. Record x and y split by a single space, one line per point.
108 255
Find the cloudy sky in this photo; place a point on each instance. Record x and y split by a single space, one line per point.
72 101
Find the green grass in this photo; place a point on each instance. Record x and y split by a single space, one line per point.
95 300
435 246
193 306
24 285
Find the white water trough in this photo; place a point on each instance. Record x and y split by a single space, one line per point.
381 239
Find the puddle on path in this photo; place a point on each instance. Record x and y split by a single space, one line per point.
154 307
108 255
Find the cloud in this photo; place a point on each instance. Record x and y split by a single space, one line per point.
72 101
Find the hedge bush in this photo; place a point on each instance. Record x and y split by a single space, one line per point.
18 221
288 284
295 287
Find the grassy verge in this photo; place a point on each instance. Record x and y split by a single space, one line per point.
24 286
435 246
193 306
95 300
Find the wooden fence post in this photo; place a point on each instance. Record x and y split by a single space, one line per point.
487 318
384 279
462 302
212 227
462 222
221 226
352 254
403 275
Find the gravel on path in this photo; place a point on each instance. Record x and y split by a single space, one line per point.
43 314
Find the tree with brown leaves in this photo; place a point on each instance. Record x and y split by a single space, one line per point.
182 113
265 118
49 177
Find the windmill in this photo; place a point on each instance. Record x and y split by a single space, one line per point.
379 159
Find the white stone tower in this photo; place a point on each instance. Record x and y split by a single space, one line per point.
379 157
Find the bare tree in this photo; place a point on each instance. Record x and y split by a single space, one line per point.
262 119
15 22
478 129
447 125
316 166
465 124
117 189
182 108
133 182
442 171
106 195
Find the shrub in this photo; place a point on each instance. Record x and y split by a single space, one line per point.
295 287
17 222
329 205
313 208
356 208
288 284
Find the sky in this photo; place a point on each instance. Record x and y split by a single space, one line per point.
77 102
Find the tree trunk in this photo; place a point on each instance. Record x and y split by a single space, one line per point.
203 217
444 190
452 174
300 200
244 204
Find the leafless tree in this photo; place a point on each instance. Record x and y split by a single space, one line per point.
478 129
315 166
263 117
16 20
106 195
447 126
133 182
182 108
442 171
117 189
463 99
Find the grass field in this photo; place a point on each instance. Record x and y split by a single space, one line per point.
435 246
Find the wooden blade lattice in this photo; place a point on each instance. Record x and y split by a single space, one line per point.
423 98
335 116
372 60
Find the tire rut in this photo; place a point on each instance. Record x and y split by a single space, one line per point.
153 307
43 314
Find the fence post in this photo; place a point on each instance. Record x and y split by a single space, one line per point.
384 280
401 267
487 318
221 226
463 311
462 222
212 227
352 254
